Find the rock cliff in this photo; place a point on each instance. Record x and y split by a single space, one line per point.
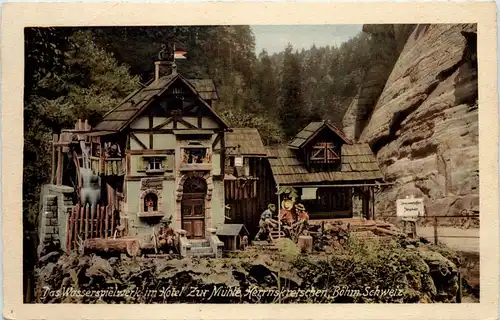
418 110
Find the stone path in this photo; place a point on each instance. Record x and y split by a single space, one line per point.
469 242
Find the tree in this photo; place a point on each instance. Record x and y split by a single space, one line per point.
292 111
68 77
270 131
266 85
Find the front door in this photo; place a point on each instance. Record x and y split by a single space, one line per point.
193 208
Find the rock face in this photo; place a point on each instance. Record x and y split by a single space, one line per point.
390 40
423 126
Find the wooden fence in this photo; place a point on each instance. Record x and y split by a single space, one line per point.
86 222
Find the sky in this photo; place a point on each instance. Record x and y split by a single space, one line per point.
274 38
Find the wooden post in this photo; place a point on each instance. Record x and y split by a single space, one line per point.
373 202
76 226
112 219
55 137
82 213
435 230
87 213
305 243
69 229
92 213
106 221
99 220
222 152
59 166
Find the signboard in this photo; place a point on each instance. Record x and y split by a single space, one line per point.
308 193
410 207
238 161
152 183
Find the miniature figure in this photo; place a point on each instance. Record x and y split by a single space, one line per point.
244 243
266 222
302 219
166 236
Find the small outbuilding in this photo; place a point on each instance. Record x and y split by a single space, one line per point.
234 236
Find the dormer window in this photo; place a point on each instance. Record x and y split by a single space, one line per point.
324 152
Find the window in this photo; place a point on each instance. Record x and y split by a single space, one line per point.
155 164
196 156
325 152
150 202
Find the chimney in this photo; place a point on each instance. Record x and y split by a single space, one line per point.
163 68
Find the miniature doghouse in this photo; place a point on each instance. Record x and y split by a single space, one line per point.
233 236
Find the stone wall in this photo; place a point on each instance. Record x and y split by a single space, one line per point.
57 204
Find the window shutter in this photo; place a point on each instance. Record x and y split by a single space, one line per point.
168 162
141 164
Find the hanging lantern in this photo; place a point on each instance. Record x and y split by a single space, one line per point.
238 161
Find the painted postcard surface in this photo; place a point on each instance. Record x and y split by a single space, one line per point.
251 164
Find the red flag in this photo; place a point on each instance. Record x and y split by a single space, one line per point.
179 54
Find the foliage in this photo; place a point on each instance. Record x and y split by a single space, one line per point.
270 131
67 77
93 83
292 112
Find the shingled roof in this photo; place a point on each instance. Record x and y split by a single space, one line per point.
132 106
358 164
311 130
249 141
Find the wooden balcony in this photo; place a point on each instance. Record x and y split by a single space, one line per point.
108 167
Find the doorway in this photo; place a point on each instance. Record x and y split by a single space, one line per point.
193 207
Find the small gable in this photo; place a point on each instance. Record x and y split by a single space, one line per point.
312 130
319 145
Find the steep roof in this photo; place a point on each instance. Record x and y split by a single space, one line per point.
231 230
311 130
249 141
132 106
358 164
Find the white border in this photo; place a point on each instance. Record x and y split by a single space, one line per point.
18 15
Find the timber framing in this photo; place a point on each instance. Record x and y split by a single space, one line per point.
151 152
217 140
138 178
151 131
222 153
187 124
133 136
164 123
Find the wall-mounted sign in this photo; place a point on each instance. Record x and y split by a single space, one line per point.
152 183
410 207
238 161
308 193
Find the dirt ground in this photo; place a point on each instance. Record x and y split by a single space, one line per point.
455 238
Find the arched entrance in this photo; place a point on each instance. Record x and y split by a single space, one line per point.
193 207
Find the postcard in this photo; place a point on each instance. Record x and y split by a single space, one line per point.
219 160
